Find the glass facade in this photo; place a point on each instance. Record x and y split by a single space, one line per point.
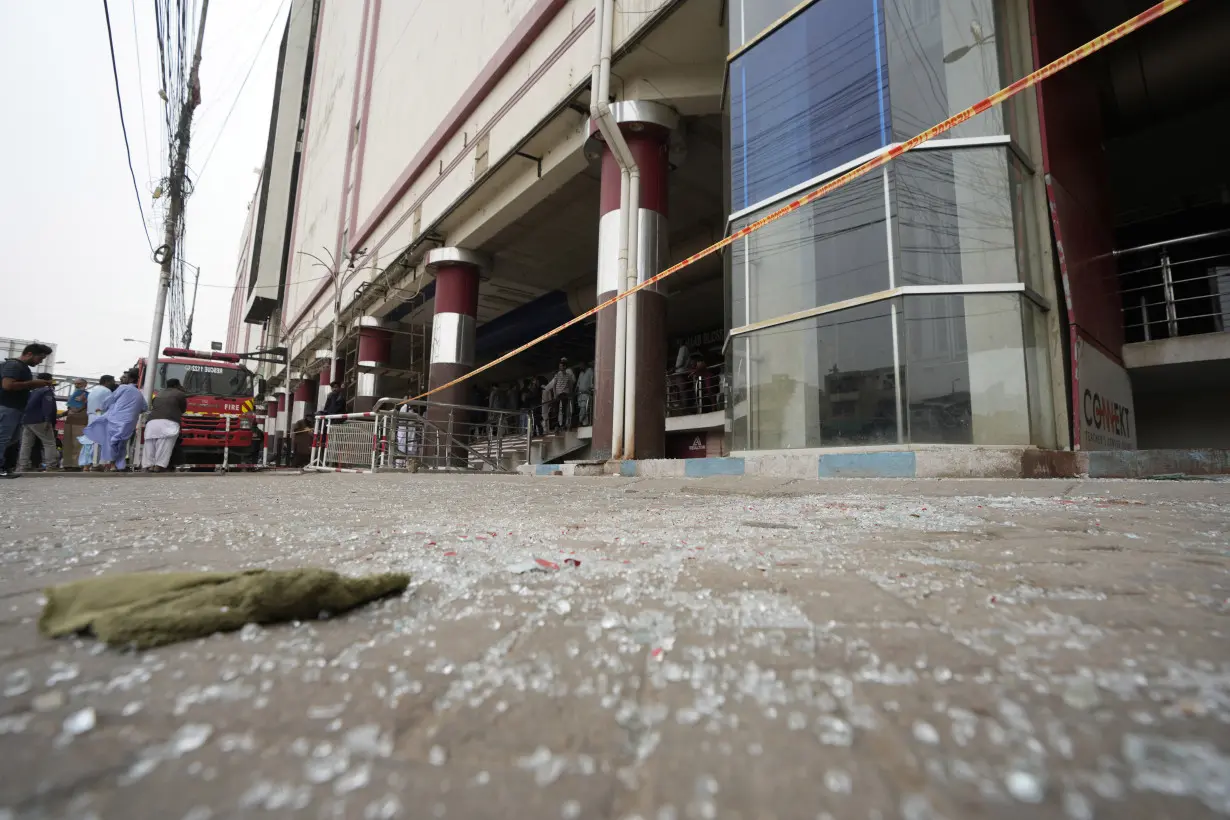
916 325
807 98
955 218
828 251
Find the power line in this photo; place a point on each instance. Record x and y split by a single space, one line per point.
136 42
115 73
239 93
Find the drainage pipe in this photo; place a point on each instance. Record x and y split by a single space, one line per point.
629 202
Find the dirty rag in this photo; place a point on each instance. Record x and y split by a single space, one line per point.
147 609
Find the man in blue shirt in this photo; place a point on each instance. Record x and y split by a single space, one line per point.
95 398
39 424
16 383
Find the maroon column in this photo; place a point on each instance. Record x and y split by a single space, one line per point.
375 350
322 388
305 399
457 273
646 127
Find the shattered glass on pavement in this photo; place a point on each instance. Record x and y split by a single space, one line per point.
656 649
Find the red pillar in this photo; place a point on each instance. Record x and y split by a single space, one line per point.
322 388
457 273
305 399
375 351
646 127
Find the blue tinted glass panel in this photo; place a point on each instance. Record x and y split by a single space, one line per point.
809 97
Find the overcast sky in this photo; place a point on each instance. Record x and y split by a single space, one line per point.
77 269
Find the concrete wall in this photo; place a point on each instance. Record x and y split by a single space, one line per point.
237 331
263 286
324 151
439 91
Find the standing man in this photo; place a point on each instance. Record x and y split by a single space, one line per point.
39 424
16 383
162 429
495 418
563 386
93 407
585 395
75 420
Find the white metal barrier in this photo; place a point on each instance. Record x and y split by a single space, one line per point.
428 436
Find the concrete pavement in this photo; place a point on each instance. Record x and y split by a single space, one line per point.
726 648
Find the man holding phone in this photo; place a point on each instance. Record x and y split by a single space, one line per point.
16 383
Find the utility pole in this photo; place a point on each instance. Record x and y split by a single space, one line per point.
175 210
196 285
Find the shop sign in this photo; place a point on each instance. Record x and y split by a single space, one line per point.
1104 401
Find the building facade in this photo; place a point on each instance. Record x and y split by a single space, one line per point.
445 182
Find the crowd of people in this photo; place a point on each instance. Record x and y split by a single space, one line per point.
99 421
564 401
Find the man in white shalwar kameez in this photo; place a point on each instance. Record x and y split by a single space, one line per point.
162 427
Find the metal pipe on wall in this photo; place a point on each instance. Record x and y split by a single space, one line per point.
600 112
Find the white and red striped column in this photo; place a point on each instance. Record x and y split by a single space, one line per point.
271 431
322 388
646 126
375 351
282 426
305 398
457 272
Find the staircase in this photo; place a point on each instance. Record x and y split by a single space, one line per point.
508 454
554 448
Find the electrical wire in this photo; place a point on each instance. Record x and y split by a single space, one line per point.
136 43
115 73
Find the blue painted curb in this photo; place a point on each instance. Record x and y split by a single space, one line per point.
546 469
627 469
867 465
708 467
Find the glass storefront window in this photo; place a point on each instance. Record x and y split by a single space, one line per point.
954 218
822 382
972 371
943 57
833 249
809 97
964 370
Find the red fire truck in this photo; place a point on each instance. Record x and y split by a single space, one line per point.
217 386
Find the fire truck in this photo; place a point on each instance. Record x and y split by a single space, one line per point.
217 386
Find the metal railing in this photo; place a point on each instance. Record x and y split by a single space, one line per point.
1180 287
694 393
418 436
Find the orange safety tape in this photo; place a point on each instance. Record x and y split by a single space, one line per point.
887 156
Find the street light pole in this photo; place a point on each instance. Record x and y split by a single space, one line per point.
336 276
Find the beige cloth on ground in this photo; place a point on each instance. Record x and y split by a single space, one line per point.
146 609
